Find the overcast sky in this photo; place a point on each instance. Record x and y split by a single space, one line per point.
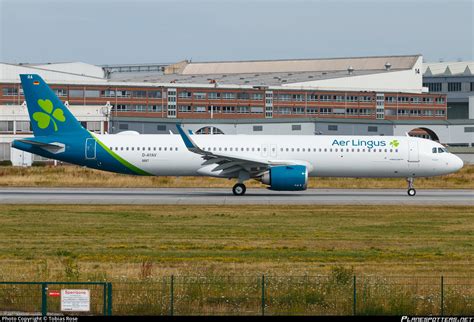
145 31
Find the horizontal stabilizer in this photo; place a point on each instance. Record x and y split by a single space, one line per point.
54 147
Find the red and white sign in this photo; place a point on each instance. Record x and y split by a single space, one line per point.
75 300
54 293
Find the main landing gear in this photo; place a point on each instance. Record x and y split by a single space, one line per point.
411 189
239 189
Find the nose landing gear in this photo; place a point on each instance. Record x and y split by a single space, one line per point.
411 189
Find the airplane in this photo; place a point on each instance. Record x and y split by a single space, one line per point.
282 162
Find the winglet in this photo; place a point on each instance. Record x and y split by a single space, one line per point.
188 142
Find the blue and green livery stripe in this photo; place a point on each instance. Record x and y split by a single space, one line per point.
122 161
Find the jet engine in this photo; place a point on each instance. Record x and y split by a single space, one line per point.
286 178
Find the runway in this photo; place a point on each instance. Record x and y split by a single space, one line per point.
221 196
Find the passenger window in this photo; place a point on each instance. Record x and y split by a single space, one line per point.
154 148
335 150
176 149
164 148
126 148
287 149
230 149
253 149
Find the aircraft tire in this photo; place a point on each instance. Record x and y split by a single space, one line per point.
239 189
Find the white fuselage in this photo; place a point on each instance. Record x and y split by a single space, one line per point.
324 156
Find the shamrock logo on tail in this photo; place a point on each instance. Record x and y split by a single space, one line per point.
394 143
44 119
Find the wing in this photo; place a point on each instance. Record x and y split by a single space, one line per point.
229 165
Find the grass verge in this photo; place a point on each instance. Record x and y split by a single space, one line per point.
74 176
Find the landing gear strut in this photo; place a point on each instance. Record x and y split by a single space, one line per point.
239 189
411 189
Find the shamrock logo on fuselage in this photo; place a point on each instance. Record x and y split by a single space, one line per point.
394 143
43 119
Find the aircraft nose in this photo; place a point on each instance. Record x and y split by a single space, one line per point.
457 163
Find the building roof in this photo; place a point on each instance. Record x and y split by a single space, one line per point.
296 65
465 68
61 72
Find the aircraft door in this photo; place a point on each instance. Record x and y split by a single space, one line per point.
413 153
90 148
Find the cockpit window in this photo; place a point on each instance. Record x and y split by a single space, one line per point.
442 150
434 150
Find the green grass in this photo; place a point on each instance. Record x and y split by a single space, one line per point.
309 255
116 240
74 176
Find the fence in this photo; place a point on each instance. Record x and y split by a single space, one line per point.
258 295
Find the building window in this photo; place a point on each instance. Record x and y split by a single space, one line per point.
184 108
4 151
257 96
284 110
161 128
325 97
76 93
312 97
257 128
332 127
454 87
6 126
298 110
92 93
199 96
123 126
107 93
243 109
61 92
154 94
200 109
228 109
139 94
228 96
433 87
325 110
23 127
9 91
296 127
472 86
213 96
184 94
155 108
93 126
256 109
440 113
372 129
469 129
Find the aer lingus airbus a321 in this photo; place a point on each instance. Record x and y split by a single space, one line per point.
282 162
